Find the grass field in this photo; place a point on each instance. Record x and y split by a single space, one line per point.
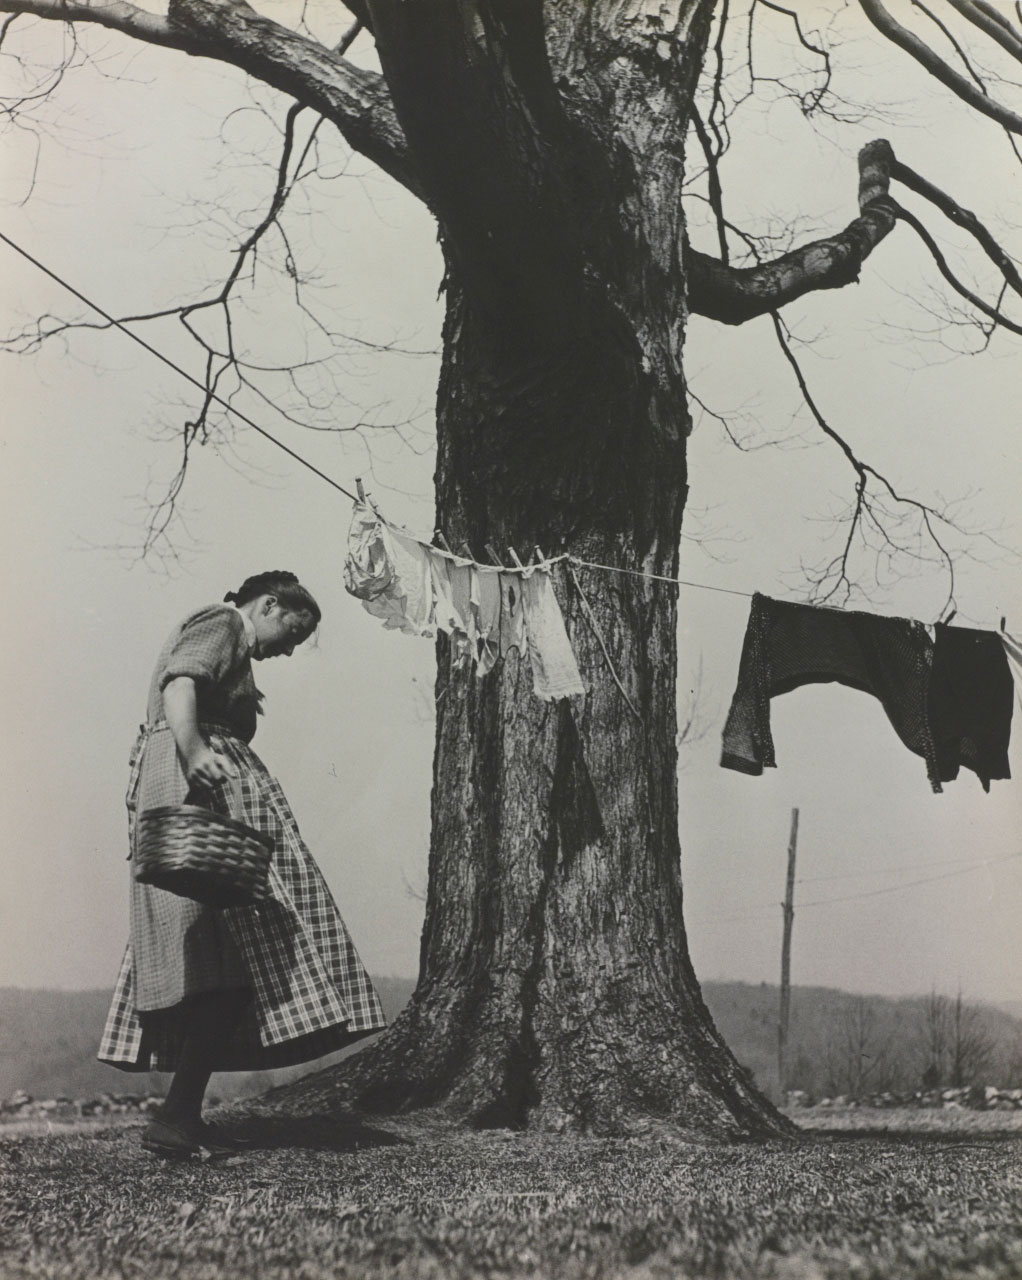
892 1195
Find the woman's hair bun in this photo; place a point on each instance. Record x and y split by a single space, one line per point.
280 582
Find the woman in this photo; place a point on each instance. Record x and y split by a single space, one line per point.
243 988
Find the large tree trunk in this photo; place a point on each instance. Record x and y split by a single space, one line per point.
555 987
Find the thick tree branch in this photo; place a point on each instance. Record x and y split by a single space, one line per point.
733 295
966 63
355 100
991 23
959 85
116 15
358 102
473 91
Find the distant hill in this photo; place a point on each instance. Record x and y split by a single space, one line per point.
838 1040
48 1041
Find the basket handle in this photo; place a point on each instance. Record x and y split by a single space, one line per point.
197 793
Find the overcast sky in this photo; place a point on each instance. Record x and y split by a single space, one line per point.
899 890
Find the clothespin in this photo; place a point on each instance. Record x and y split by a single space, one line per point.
538 555
360 489
466 551
1003 621
514 556
493 556
443 541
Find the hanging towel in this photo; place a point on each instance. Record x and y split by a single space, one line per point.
970 703
790 645
485 600
555 672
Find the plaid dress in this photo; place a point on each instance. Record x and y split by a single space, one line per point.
309 992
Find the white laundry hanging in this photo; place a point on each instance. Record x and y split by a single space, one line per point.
487 611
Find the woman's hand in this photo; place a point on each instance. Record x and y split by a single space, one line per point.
206 767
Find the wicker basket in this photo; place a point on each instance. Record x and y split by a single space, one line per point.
197 853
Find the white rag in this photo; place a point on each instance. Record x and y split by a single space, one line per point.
486 611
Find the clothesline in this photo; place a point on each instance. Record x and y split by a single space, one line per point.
545 562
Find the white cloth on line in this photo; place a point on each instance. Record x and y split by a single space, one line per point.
390 573
555 672
485 598
487 611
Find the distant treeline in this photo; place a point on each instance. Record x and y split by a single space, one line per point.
838 1043
855 1045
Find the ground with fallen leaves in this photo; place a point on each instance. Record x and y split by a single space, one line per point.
891 1195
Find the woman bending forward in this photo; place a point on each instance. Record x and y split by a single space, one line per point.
203 989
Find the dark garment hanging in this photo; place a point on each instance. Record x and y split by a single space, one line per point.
971 703
949 703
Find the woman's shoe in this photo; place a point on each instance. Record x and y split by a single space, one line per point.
166 1138
212 1135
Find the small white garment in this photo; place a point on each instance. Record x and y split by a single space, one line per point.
452 601
485 600
555 672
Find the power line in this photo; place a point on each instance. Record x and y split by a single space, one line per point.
759 913
888 871
911 884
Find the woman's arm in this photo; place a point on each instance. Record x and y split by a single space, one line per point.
202 765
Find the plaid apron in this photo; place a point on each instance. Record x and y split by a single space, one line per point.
310 993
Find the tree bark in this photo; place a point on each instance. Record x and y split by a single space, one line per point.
555 986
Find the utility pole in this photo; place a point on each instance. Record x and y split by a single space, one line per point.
789 917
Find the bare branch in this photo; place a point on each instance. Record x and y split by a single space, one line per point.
937 67
868 509
991 312
355 100
116 15
810 102
967 63
963 218
991 23
713 182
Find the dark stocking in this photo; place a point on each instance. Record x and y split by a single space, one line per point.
210 1020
